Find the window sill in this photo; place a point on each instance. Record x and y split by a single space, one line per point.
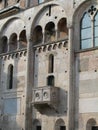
85 50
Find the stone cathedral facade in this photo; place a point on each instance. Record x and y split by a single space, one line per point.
48 64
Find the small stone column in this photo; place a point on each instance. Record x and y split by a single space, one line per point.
43 37
71 113
18 43
8 44
56 33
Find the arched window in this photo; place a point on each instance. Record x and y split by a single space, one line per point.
60 125
51 63
86 32
91 124
50 80
96 30
37 35
89 29
10 76
62 29
4 45
22 39
50 32
36 125
13 42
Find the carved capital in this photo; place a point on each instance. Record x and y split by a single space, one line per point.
69 25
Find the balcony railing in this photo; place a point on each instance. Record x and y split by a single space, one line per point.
45 96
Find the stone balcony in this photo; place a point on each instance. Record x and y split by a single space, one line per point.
44 97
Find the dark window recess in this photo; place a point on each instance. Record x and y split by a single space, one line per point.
51 64
38 127
5 3
62 128
50 81
94 127
18 1
10 77
50 10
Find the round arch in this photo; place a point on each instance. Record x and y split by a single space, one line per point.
60 124
76 21
8 23
36 124
41 10
50 32
62 29
90 124
22 39
3 44
37 35
13 42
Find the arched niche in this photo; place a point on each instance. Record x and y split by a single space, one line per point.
36 125
51 63
4 45
60 125
13 42
50 32
47 18
10 76
37 35
91 123
15 25
76 19
22 39
62 29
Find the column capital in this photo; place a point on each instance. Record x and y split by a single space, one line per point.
70 25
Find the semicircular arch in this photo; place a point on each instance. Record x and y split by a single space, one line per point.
44 12
76 21
11 25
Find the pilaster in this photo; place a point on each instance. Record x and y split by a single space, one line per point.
71 111
29 86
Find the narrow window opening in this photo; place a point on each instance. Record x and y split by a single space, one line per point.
50 81
5 3
86 32
96 30
50 10
10 77
51 64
